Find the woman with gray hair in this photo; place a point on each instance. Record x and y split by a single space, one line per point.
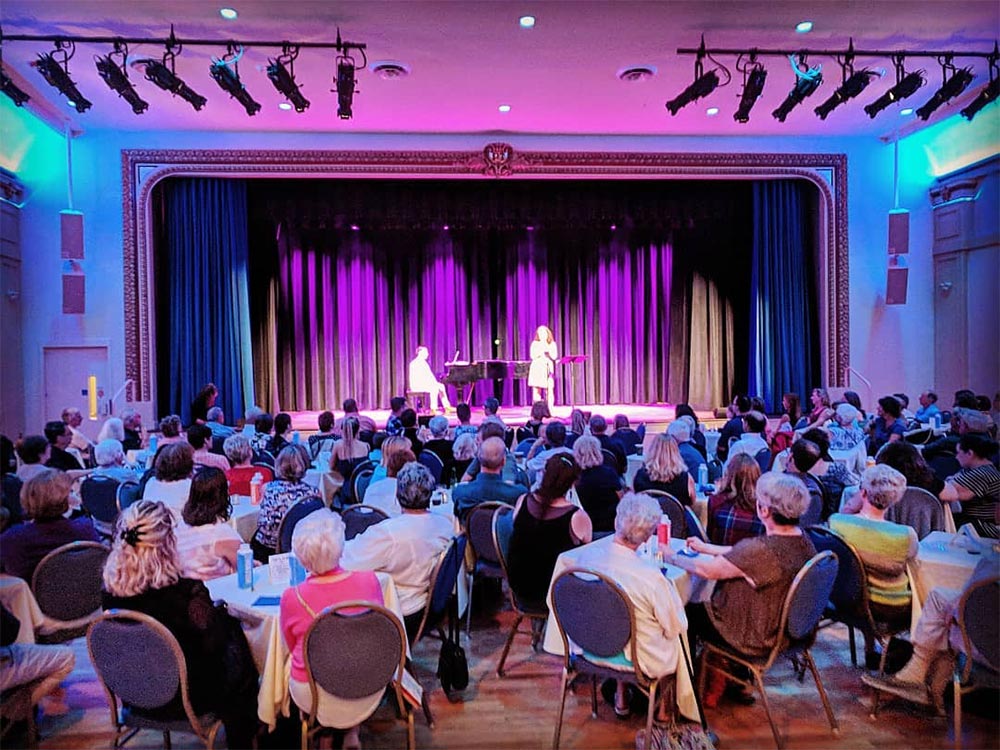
112 429
408 546
280 495
598 487
110 459
442 447
241 469
318 543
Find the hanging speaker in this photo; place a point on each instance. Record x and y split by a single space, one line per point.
74 297
72 234
899 231
898 273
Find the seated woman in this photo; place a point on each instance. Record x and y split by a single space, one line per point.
45 500
171 431
347 454
171 482
282 431
976 486
33 451
206 543
888 426
536 420
280 495
732 510
241 472
546 524
261 437
697 436
325 439
907 460
406 547
318 543
820 413
578 427
834 475
664 469
110 459
845 430
143 573
200 438
392 444
464 451
112 429
383 494
599 487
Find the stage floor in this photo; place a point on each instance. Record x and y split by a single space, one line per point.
655 416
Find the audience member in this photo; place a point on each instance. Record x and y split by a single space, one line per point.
112 429
833 475
170 431
280 495
551 443
791 412
578 427
733 428
976 486
411 429
216 422
241 471
326 438
80 445
134 438
110 460
464 451
41 667
392 444
261 438
888 426
488 486
282 428
598 487
536 420
204 401
393 425
33 450
804 455
820 412
845 431
680 431
599 430
628 440
491 409
464 414
348 454
928 407
753 441
382 495
664 470
904 407
366 425
441 446
171 482
732 510
206 542
906 459
200 438
854 400
59 437
697 436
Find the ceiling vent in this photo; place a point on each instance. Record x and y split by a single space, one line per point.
389 70
634 73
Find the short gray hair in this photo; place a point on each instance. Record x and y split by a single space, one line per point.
689 421
114 428
438 425
464 447
252 414
318 541
883 486
974 421
637 518
784 494
107 452
846 414
679 430
237 449
290 465
587 452
215 414
414 485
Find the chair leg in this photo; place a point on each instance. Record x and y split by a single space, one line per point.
507 645
835 728
562 706
593 696
647 744
702 672
411 735
425 704
468 614
957 689
166 741
881 672
759 680
210 739
854 647
305 735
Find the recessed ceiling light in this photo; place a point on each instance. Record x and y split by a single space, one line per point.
229 14
284 105
804 27
71 103
503 108
712 111
527 22
906 111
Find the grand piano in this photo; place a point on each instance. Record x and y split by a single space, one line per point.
462 374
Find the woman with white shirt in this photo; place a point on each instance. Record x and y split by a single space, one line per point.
171 482
206 543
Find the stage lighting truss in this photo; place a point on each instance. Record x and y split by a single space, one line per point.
854 82
11 89
162 74
115 75
226 72
54 67
281 71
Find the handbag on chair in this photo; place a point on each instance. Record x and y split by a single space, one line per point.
453 667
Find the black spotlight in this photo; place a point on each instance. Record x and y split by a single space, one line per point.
752 90
804 87
284 81
12 91
987 94
952 87
229 81
166 79
849 89
345 88
117 79
57 76
702 87
906 87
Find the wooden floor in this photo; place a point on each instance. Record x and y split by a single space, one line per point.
520 714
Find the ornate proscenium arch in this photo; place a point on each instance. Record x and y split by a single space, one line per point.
143 169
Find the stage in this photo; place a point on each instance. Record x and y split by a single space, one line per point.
654 416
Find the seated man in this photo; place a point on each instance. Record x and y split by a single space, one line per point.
59 436
366 425
488 484
512 473
464 414
804 455
80 446
132 422
928 407
216 422
627 439
733 428
422 379
599 429
680 430
754 438
490 408
550 444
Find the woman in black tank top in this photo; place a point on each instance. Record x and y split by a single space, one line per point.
544 528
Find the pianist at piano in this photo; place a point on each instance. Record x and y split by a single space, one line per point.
422 380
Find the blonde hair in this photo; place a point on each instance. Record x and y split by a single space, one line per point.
663 459
587 452
739 481
143 550
45 497
394 444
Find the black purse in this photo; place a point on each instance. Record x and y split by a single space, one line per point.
453 667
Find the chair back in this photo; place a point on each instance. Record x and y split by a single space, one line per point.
479 525
610 458
263 457
292 516
360 482
442 585
979 622
144 480
763 459
849 597
67 582
808 595
503 530
128 493
357 518
352 654
524 446
99 496
919 510
593 612
944 466
694 527
672 507
432 461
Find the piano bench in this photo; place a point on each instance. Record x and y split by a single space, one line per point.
419 400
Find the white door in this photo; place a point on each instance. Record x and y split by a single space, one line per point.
67 369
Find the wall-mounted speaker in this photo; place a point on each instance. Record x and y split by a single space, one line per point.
72 234
899 231
74 294
896 278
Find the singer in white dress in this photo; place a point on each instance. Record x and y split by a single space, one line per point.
422 379
541 374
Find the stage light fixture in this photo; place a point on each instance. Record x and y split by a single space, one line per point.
987 94
116 76
808 80
954 84
162 74
753 87
283 78
345 87
12 91
850 88
56 74
906 86
226 73
702 87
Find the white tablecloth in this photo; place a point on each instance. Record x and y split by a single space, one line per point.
244 517
327 482
260 624
689 588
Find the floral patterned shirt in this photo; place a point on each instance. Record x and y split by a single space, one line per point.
279 496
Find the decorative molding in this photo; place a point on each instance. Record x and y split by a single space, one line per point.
11 189
142 169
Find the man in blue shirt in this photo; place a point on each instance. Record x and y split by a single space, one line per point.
928 407
488 484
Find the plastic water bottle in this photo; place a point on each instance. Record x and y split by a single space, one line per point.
256 488
935 422
702 475
295 437
244 567
153 442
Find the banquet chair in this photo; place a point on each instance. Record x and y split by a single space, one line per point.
484 563
978 617
443 579
763 458
536 614
919 510
67 586
352 655
671 506
524 446
292 516
128 493
99 497
596 614
141 667
360 482
433 463
610 459
850 599
357 518
800 615
694 527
